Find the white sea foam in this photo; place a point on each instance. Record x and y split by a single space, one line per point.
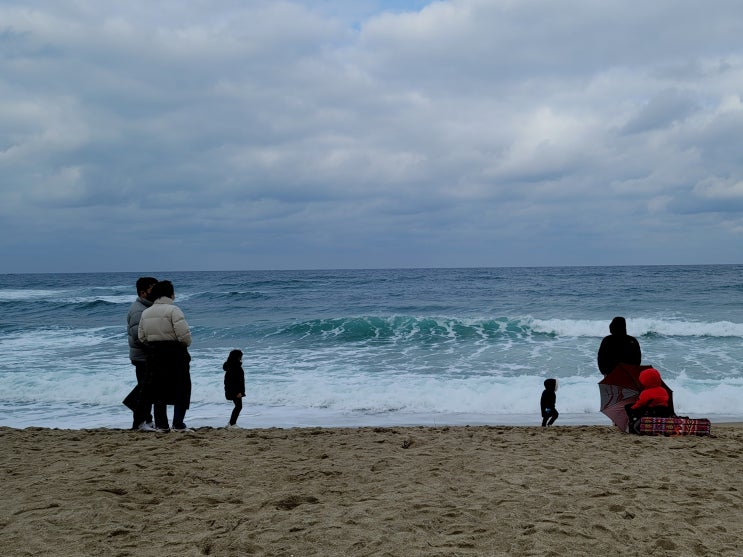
87 368
306 401
48 342
440 348
111 299
17 294
66 296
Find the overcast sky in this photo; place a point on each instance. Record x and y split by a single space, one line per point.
236 134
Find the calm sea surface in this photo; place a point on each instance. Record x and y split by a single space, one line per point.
376 347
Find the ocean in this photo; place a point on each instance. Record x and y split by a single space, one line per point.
376 347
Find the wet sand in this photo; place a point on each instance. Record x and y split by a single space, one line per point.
402 491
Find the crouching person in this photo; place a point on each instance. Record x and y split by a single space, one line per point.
653 400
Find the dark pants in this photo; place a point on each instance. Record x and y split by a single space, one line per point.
549 417
179 414
143 410
161 416
236 411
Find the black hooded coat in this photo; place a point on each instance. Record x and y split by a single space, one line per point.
549 397
618 348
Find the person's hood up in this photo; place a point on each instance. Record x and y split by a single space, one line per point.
650 378
618 326
550 384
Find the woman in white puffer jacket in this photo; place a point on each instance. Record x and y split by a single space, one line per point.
164 331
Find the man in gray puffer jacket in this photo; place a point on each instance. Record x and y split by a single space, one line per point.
138 353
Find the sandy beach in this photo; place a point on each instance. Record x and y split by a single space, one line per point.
402 491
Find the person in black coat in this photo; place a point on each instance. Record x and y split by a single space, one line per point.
234 383
618 347
547 402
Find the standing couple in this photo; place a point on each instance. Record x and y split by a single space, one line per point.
159 338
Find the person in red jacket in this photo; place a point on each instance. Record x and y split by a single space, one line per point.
653 397
653 400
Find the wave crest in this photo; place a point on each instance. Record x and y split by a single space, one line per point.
406 328
641 327
409 328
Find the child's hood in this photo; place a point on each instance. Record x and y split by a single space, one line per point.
650 378
550 384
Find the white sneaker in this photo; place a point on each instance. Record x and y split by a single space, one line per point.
144 426
232 426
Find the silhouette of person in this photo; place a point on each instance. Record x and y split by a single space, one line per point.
618 347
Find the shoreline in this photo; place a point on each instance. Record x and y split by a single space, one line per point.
216 416
369 491
253 429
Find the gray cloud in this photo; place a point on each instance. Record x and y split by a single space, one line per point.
666 108
305 134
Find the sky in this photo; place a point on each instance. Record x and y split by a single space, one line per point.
236 134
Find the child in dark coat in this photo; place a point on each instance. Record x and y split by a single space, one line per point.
547 402
234 383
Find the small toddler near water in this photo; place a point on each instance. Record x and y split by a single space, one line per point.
234 384
548 401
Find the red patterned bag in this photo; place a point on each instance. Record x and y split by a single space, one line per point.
673 426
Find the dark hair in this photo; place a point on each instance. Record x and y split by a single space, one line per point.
143 283
163 288
234 357
618 326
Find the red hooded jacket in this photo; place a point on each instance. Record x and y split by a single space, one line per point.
653 395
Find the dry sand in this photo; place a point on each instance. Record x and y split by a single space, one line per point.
371 491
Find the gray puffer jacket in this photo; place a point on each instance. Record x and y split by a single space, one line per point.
164 321
137 351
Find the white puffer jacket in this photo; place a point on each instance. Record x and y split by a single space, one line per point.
164 321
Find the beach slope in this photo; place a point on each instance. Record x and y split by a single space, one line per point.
398 491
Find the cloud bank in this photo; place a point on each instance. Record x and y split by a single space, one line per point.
287 134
